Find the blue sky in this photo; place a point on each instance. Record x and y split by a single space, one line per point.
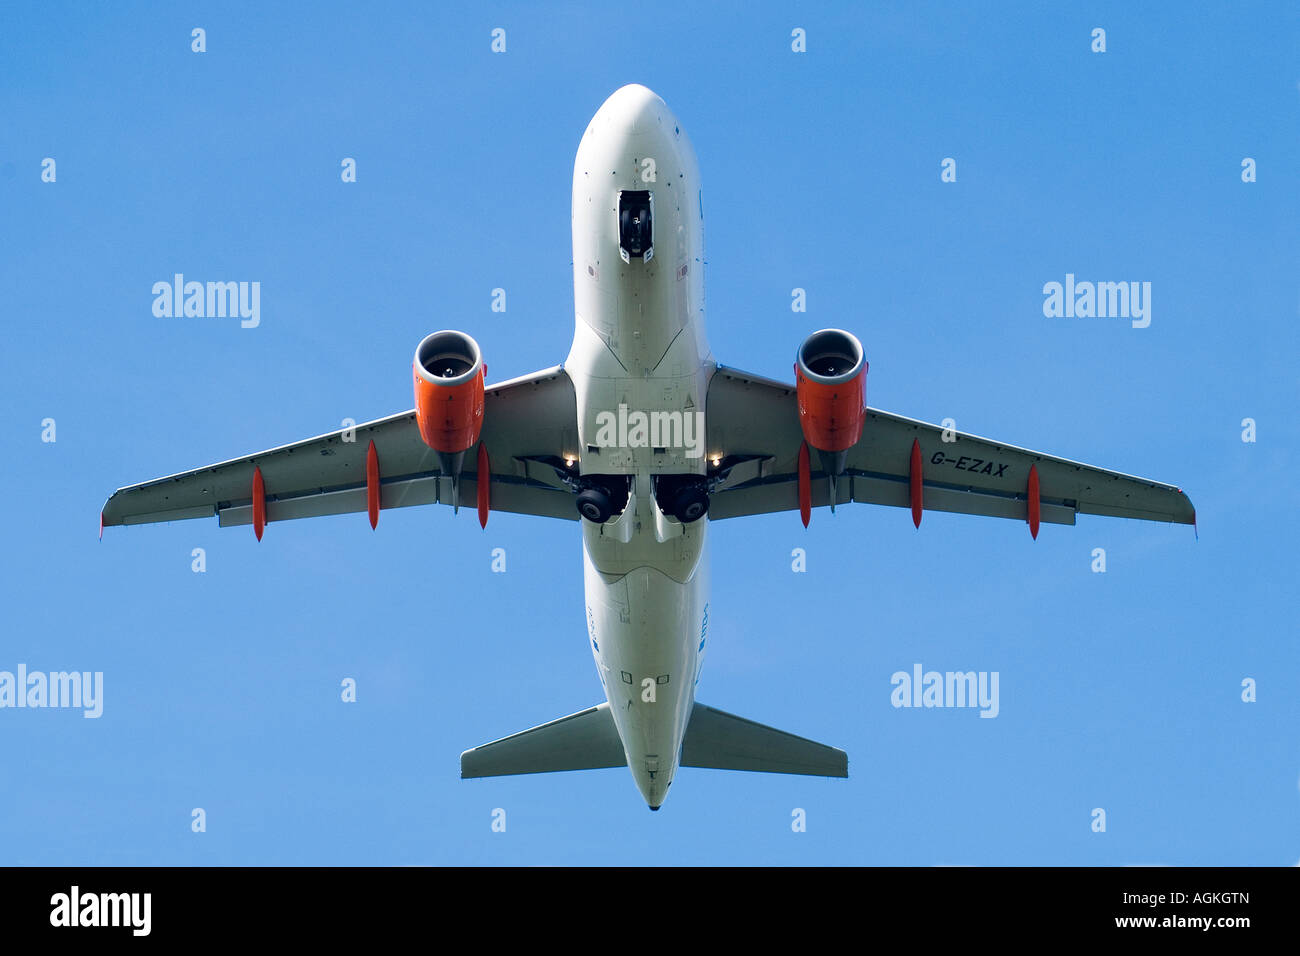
821 170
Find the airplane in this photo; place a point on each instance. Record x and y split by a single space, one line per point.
645 440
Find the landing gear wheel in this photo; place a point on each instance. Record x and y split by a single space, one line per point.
595 506
690 504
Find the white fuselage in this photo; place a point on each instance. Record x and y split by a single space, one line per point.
640 344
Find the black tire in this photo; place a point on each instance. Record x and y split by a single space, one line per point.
690 504
595 506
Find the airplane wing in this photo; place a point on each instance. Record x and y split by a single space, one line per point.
527 421
755 422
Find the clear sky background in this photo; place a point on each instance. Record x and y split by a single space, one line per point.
821 170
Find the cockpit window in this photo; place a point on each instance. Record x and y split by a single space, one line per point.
635 225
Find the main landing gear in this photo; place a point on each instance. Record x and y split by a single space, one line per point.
684 497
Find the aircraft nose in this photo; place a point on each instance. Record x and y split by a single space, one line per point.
634 107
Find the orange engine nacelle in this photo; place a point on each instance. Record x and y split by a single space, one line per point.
830 372
449 373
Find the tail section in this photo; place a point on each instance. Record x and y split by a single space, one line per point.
588 740
723 741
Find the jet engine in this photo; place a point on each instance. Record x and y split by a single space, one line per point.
831 383
449 374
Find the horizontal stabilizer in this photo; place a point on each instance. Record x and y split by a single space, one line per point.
587 740
723 741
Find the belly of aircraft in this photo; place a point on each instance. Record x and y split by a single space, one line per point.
646 635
